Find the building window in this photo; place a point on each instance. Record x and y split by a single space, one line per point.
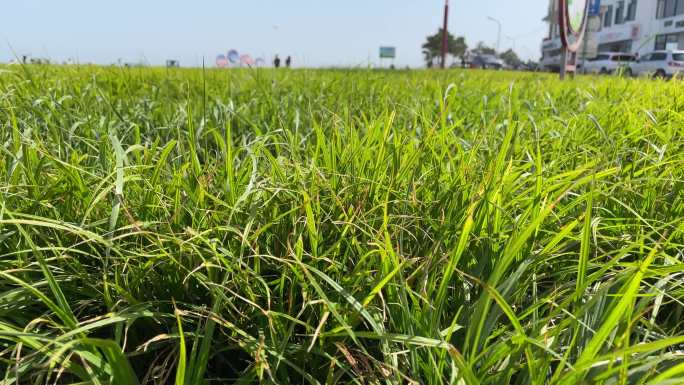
670 8
618 46
620 13
608 17
661 41
660 9
631 10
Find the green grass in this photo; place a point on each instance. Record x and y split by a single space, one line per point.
339 227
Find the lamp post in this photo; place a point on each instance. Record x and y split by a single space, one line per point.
445 34
498 36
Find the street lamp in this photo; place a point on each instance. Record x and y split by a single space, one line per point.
498 38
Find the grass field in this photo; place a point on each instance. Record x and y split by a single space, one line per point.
339 227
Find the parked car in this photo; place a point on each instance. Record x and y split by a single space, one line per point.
487 62
664 64
608 62
525 67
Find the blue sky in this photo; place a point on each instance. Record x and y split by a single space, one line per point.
314 32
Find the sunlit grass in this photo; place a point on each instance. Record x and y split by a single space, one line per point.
337 227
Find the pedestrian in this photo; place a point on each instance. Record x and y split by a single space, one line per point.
276 62
288 62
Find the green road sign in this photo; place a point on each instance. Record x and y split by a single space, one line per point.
388 52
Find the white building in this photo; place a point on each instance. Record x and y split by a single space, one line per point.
633 26
551 46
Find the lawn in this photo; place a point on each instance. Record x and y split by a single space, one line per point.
338 227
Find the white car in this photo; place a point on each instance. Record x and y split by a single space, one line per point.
663 64
608 62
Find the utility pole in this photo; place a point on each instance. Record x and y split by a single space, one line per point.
445 33
512 40
498 35
584 48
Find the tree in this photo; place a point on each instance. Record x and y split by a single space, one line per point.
482 49
432 48
511 58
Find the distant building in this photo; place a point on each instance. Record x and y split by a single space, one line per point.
172 64
630 26
551 45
